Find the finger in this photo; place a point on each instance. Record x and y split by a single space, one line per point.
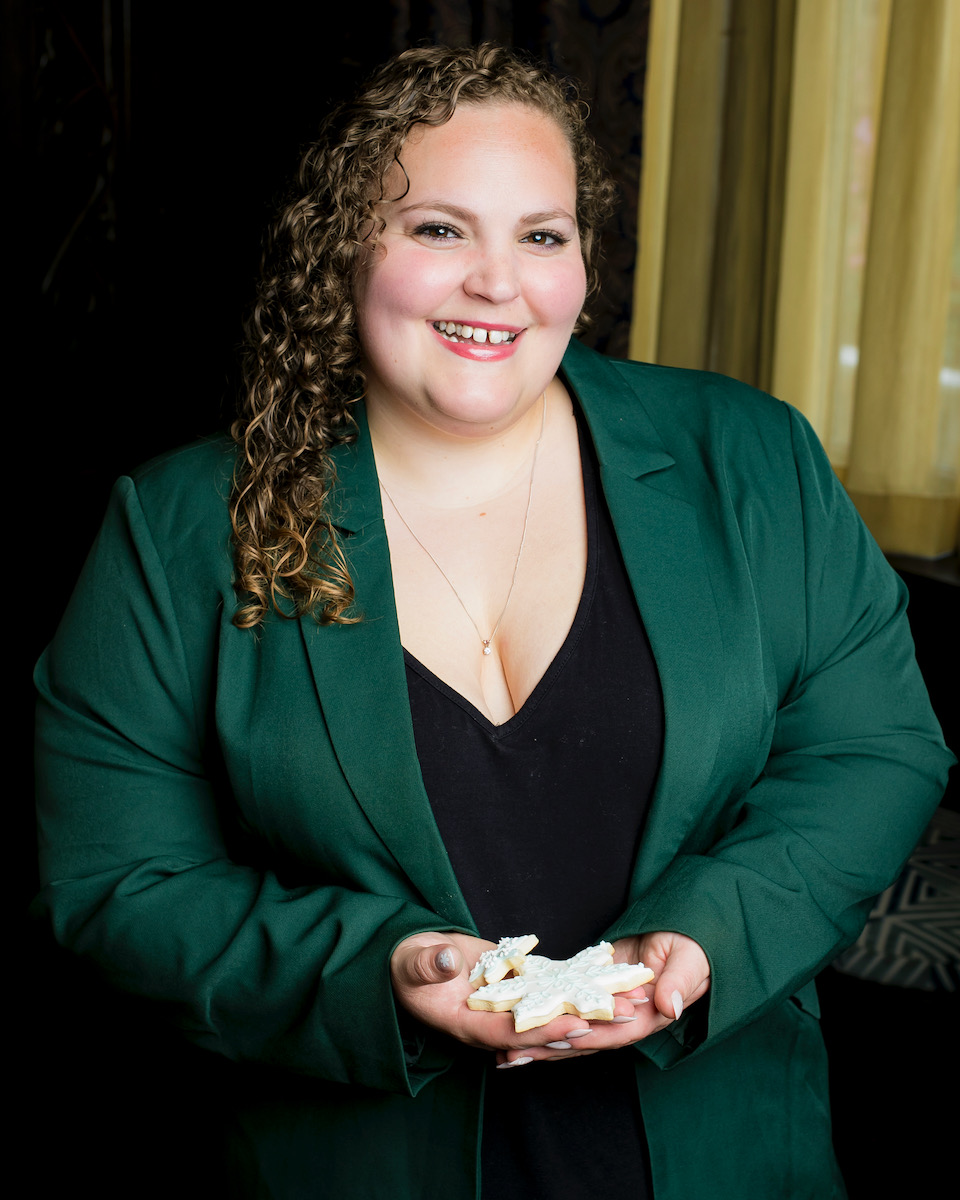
519 1060
422 965
522 1058
625 1008
605 1035
558 1033
677 989
572 1036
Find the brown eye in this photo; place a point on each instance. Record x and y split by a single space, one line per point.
440 233
545 238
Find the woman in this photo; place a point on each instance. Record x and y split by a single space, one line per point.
503 644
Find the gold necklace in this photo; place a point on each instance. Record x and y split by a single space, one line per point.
486 642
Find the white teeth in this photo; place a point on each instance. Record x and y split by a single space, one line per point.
451 329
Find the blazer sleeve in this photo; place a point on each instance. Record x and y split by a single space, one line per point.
856 767
133 824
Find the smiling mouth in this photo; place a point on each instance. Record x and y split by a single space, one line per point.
453 332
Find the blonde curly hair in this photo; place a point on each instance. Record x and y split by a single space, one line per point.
302 361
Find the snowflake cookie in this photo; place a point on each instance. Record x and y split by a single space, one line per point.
545 987
509 954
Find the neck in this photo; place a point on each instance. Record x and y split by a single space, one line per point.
445 470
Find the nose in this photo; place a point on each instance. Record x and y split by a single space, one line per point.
493 275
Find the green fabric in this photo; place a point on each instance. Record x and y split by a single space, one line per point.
235 824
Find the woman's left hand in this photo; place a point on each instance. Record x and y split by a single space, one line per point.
681 976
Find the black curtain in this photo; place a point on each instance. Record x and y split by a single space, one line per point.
158 141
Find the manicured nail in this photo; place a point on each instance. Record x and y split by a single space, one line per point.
517 1062
640 1000
445 960
575 1033
677 1004
622 1020
558 1046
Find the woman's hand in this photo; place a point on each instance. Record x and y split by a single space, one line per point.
430 980
681 976
430 973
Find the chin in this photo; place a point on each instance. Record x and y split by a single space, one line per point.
484 412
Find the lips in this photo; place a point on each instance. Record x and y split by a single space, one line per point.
456 331
481 343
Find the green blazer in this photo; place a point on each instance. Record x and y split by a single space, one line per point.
234 823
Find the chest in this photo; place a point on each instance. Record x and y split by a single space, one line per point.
508 572
315 727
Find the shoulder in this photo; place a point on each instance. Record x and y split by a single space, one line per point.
159 571
672 397
184 492
202 469
692 417
169 520
676 392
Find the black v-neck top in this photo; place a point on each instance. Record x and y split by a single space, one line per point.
542 818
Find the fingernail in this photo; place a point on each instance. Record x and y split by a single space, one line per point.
558 1046
677 1004
622 1020
445 959
640 1000
517 1062
575 1033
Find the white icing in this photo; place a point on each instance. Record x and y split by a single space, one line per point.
586 982
510 952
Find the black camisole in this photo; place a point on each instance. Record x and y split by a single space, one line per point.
542 818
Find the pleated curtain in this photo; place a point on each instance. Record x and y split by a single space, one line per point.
799 229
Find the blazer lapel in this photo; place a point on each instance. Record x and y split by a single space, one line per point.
359 670
660 538
361 683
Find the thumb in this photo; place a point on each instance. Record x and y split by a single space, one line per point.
680 983
429 964
669 996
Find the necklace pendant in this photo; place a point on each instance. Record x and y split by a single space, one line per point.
486 646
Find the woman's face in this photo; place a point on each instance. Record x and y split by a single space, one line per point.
485 239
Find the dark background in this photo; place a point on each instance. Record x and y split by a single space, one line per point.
152 142
158 145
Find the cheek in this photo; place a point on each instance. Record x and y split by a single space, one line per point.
561 298
379 294
404 286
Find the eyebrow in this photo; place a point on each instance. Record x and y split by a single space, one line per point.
464 214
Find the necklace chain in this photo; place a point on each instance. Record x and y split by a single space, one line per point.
486 642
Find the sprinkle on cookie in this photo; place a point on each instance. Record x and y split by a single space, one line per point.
492 965
545 988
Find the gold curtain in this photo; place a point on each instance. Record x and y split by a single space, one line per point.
800 230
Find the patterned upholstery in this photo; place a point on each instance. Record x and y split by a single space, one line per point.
912 938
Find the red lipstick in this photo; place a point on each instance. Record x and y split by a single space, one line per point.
480 351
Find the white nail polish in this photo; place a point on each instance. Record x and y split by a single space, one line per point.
558 1046
622 1020
677 1000
577 1033
640 1000
445 960
517 1062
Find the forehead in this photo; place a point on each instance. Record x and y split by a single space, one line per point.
494 141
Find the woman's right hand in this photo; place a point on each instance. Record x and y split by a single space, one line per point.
430 973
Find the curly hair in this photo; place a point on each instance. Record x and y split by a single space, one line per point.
302 361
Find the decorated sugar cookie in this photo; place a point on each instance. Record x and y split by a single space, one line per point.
545 987
509 954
